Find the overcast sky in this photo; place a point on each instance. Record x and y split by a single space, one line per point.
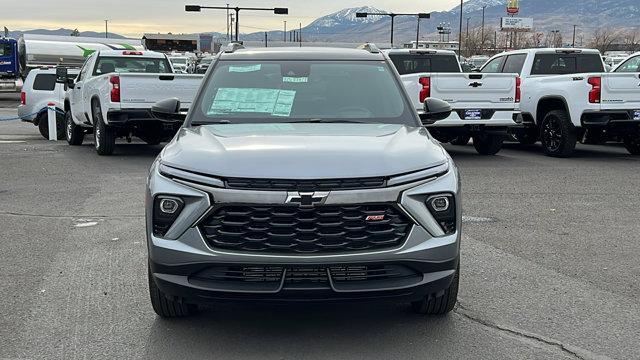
134 17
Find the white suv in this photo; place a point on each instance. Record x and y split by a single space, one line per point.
40 88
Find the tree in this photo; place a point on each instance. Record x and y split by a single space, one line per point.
604 38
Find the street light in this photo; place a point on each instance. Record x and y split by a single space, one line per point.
393 16
198 8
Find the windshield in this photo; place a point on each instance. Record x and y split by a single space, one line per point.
178 61
302 91
107 65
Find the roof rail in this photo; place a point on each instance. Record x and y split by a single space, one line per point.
370 47
233 46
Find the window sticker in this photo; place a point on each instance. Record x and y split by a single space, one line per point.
295 79
244 69
236 100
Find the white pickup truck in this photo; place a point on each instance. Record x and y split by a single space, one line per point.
112 96
567 97
484 106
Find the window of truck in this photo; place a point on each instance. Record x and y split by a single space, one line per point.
631 65
558 64
132 64
418 63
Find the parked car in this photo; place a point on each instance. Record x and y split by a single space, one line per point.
303 174
630 64
485 105
567 96
203 65
40 88
113 93
181 64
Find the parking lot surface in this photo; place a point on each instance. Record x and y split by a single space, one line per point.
549 266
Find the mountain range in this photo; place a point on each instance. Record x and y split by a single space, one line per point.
344 26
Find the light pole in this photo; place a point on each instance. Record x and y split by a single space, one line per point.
482 32
420 16
467 39
574 36
393 16
228 22
106 28
300 34
198 8
285 31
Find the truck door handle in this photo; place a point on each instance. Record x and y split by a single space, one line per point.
475 84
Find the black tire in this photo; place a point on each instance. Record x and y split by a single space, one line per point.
487 144
73 132
558 135
165 307
439 305
104 136
461 140
632 144
594 137
43 126
527 136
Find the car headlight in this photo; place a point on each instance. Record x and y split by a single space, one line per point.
166 210
443 209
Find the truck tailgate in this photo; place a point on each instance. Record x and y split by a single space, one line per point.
620 91
143 90
466 90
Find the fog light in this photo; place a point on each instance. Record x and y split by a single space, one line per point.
440 203
166 210
443 209
169 206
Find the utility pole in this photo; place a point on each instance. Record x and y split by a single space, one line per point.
231 25
228 23
460 33
418 33
482 33
467 40
266 44
574 36
300 33
106 28
285 31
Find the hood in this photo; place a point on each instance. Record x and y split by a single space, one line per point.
302 151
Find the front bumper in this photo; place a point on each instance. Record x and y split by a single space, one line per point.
427 252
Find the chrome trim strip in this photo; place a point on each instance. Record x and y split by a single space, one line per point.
423 174
169 171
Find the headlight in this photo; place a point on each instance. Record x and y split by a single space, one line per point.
443 209
165 212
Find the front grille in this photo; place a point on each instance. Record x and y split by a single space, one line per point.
305 185
303 274
282 229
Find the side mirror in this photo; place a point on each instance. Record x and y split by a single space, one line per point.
434 110
168 109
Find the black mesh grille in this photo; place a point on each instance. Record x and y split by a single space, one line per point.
290 229
304 274
312 185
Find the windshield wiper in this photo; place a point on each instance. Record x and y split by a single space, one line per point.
328 121
197 123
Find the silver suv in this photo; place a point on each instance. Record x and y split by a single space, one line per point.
303 174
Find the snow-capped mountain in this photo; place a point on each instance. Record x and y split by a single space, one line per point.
348 16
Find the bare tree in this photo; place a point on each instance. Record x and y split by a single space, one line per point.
604 38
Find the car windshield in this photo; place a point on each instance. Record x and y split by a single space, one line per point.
303 91
107 65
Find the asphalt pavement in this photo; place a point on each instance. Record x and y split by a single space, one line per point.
549 266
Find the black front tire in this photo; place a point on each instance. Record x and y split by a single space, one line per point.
73 132
461 140
439 305
43 126
165 307
487 144
632 144
104 136
558 135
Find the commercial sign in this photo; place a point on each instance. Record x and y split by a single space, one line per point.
517 23
513 7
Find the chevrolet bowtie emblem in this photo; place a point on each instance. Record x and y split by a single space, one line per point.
306 199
